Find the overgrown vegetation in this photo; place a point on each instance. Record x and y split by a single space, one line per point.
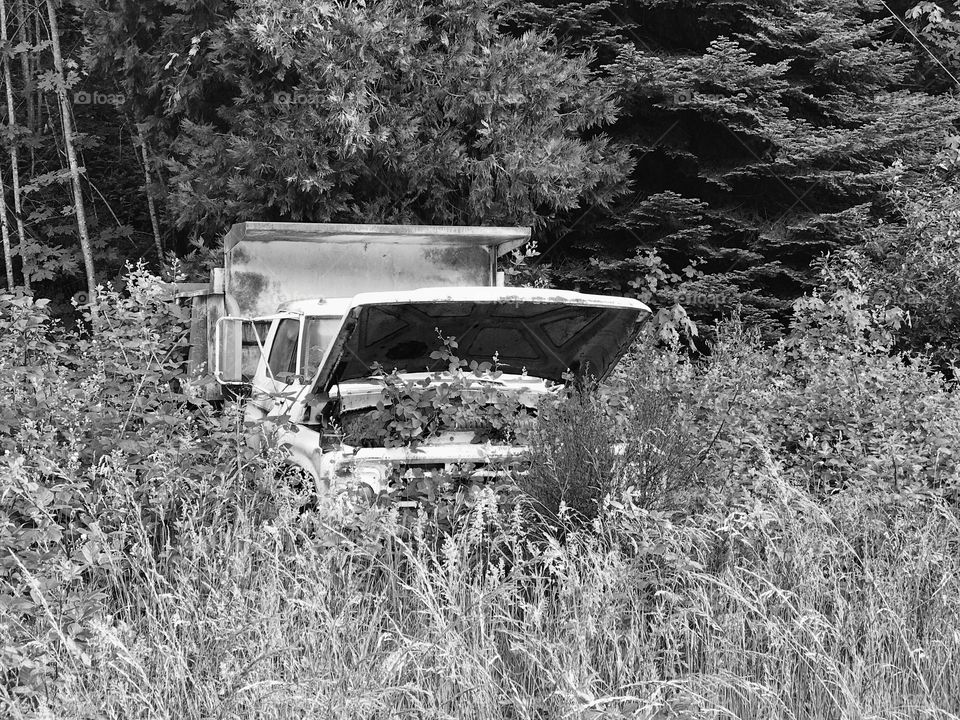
778 537
461 395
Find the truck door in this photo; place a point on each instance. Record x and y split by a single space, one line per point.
279 378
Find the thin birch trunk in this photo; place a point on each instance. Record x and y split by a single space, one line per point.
151 205
5 233
39 96
72 154
14 150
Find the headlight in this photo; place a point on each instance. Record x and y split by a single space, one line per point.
373 475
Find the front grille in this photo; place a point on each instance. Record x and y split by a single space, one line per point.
415 483
462 471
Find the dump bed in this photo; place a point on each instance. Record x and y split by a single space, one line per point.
269 263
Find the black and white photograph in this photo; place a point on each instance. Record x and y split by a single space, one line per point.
480 360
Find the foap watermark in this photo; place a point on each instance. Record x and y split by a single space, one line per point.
704 299
85 97
688 96
296 98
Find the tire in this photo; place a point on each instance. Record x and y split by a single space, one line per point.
300 481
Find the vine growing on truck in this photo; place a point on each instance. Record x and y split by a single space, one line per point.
466 395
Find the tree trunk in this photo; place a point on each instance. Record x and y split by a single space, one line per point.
23 36
151 205
5 233
40 98
14 150
71 154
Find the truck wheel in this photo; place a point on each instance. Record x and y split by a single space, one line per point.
301 482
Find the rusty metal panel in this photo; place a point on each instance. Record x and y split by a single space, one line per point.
204 311
271 263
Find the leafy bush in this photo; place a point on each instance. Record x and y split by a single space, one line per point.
108 451
914 270
465 395
628 435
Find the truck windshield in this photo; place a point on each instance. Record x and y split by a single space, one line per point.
318 333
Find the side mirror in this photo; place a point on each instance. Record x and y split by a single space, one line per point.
228 351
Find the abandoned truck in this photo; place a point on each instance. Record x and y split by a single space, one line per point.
307 319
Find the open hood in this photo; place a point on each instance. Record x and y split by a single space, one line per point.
542 332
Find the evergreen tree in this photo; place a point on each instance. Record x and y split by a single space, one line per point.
764 133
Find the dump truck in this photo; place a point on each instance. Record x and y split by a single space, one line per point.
304 318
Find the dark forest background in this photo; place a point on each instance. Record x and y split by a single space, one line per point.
704 156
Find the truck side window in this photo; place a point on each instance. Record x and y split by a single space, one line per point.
283 354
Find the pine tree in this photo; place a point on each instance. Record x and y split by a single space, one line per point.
764 133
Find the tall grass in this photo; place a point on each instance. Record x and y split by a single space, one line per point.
767 605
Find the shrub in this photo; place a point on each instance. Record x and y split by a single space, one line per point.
631 434
108 452
573 458
914 269
464 395
833 403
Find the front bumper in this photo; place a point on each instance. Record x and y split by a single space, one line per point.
378 467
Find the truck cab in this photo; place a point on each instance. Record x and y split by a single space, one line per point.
289 346
293 345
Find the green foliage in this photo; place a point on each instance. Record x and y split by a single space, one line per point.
47 256
939 28
107 451
833 404
735 142
595 443
914 270
463 396
392 112
761 605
